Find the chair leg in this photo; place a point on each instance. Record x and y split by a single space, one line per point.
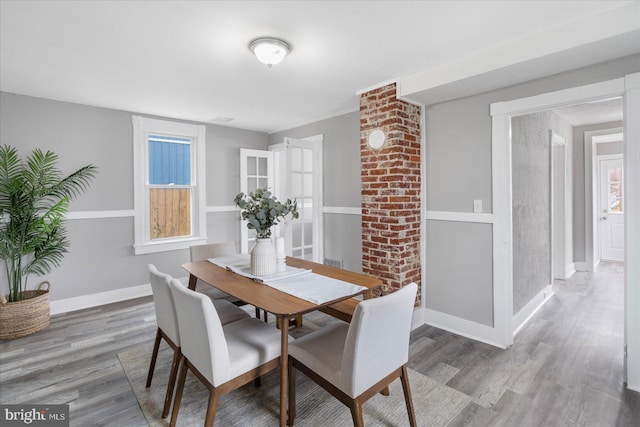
154 356
292 393
257 313
177 356
178 398
407 396
356 413
211 408
299 321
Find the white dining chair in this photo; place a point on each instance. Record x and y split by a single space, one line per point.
356 361
212 250
168 326
222 357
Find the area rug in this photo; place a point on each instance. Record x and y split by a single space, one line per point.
435 403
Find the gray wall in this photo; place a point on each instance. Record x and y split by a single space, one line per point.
341 182
579 248
458 144
101 253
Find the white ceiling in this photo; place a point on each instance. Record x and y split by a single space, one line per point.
605 111
189 59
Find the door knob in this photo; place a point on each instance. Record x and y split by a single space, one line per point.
604 218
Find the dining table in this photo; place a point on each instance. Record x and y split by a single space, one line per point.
282 305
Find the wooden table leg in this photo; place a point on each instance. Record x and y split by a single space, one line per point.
192 282
284 356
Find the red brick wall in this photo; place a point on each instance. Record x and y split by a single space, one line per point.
390 189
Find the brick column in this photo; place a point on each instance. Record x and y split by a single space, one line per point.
390 189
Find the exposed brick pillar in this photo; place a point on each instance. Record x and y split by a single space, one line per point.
390 189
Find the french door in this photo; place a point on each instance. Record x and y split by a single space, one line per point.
256 171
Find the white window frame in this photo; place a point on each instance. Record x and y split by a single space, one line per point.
142 127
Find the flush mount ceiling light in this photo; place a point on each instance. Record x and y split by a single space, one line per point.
269 50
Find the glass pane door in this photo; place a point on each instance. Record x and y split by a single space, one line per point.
256 171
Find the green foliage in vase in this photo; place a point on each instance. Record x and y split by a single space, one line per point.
34 197
262 211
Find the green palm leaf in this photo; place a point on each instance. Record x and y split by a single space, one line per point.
34 198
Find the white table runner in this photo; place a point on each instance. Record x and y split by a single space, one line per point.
300 283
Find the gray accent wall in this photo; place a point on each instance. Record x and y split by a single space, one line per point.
101 255
531 198
341 183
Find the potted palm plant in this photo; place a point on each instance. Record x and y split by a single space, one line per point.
34 197
262 211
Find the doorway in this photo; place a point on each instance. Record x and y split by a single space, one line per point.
629 88
610 207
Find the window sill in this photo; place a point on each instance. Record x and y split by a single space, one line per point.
150 248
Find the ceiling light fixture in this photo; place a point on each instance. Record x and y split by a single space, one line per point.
269 50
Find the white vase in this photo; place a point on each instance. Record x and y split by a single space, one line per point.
280 255
263 258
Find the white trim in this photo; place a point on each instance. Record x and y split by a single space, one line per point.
532 307
68 305
484 218
502 229
466 328
100 214
423 208
229 208
341 210
591 138
556 140
571 270
317 119
560 98
164 246
580 266
378 86
632 229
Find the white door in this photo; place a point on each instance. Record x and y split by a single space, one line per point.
298 163
611 209
256 171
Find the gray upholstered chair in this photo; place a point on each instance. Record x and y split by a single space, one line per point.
168 326
214 250
355 361
222 357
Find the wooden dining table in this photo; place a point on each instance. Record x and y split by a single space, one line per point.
280 304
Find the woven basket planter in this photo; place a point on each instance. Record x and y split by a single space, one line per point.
25 317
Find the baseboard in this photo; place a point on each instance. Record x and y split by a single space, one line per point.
459 326
523 316
633 388
93 300
418 318
580 266
570 270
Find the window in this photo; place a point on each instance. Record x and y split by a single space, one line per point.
169 185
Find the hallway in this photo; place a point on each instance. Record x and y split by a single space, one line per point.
564 369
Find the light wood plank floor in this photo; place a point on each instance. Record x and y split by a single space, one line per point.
564 369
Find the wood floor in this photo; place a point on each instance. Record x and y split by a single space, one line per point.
564 369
